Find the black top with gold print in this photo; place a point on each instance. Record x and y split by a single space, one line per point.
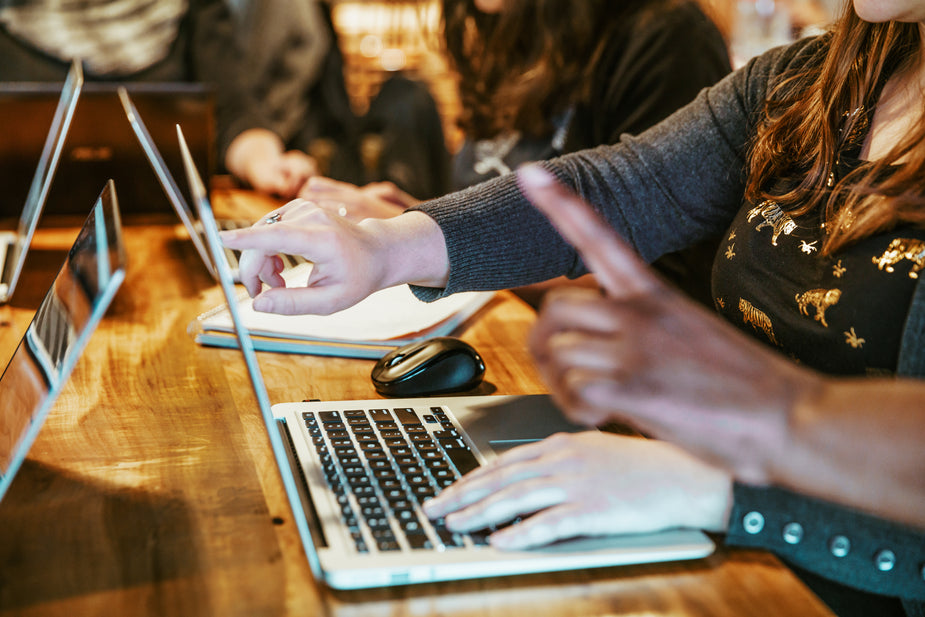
842 314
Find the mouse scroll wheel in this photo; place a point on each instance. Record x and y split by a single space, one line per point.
395 360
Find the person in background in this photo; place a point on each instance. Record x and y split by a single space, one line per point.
793 420
295 69
289 52
178 41
752 445
538 79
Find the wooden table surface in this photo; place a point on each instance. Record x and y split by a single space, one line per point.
151 489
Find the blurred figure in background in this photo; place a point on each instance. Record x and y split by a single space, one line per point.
275 68
289 55
538 79
294 68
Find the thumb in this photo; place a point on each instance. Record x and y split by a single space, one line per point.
617 267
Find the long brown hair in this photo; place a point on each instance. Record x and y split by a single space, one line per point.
810 117
519 68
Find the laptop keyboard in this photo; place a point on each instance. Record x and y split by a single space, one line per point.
54 327
382 464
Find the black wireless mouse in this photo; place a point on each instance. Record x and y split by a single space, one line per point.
434 366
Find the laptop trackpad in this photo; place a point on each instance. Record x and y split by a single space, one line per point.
514 421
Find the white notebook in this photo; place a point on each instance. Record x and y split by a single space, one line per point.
385 320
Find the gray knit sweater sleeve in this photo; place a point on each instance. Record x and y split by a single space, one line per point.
679 182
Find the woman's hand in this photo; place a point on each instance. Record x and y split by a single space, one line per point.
642 352
351 260
259 158
586 484
377 200
283 174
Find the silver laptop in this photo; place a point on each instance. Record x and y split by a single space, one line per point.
15 244
175 196
72 308
356 473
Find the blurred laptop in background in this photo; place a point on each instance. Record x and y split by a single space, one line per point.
178 200
101 144
28 207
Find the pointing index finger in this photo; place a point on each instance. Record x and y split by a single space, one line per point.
619 270
269 239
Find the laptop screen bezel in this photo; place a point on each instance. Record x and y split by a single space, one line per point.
166 179
226 281
108 262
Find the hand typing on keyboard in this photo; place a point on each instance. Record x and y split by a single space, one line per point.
585 484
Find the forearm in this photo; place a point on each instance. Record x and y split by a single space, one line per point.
666 189
860 443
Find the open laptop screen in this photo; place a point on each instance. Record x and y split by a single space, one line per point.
15 247
101 145
51 346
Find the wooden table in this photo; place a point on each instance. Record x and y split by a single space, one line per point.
151 489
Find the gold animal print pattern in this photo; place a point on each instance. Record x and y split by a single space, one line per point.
821 299
900 249
731 247
829 308
808 247
774 217
757 318
852 338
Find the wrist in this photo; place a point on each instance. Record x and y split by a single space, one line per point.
789 450
410 248
764 423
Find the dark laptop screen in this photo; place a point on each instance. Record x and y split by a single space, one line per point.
100 144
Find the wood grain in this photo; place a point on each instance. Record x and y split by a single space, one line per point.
151 489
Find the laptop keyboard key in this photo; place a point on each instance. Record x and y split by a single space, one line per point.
461 456
480 538
359 542
447 537
406 415
418 540
385 540
423 492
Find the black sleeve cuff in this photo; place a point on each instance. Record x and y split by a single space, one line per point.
838 543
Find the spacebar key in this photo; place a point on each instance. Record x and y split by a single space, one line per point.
460 455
